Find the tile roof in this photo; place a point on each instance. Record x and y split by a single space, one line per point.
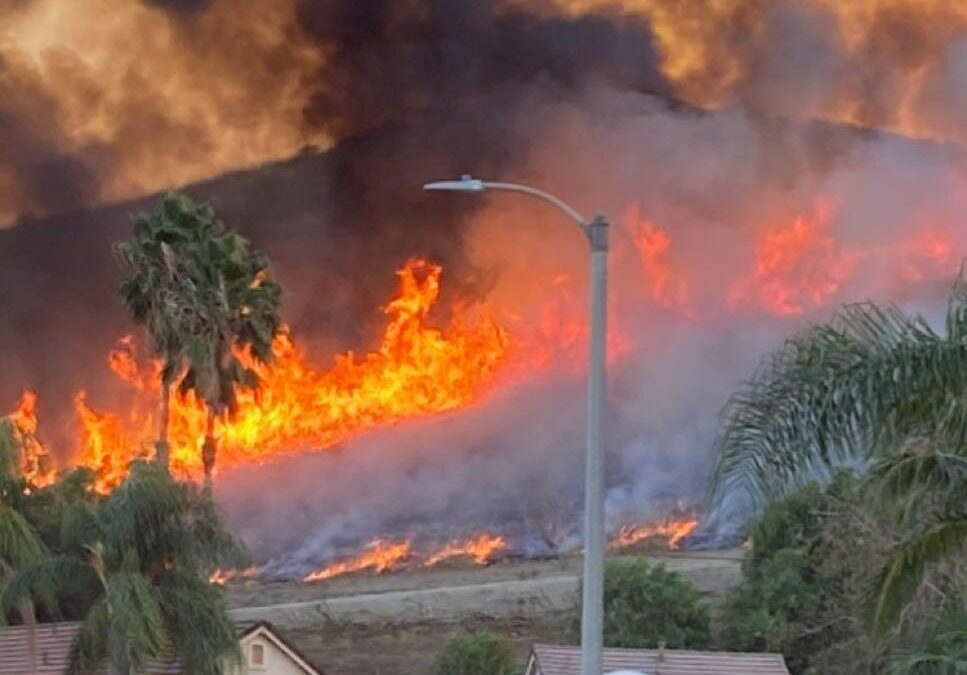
566 660
53 641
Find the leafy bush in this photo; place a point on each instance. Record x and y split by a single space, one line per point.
476 654
646 604
758 614
806 584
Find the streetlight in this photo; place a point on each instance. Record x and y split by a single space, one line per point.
596 231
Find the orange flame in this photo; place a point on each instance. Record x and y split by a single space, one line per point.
222 577
482 549
797 267
36 462
417 370
674 529
667 286
380 556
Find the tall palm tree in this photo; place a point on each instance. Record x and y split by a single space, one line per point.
145 572
155 260
230 322
876 389
205 297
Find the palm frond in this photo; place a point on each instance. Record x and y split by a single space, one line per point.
145 514
904 571
943 650
89 649
919 478
202 634
135 618
11 451
20 546
47 580
841 392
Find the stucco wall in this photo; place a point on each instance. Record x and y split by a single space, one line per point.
276 661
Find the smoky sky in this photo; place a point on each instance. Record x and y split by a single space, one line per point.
413 92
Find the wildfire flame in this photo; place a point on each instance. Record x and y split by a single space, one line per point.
666 285
222 577
797 266
674 529
482 549
379 557
418 369
36 463
383 556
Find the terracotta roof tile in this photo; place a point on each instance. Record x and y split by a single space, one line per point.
566 660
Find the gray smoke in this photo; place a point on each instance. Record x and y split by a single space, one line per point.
715 183
419 91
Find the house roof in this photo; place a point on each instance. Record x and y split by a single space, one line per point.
266 629
566 660
52 643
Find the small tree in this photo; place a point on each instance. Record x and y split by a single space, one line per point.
141 576
645 605
476 654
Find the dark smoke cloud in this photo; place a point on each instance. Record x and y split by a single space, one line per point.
36 171
414 91
189 6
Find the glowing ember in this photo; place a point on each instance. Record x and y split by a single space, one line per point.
674 530
482 549
417 370
378 557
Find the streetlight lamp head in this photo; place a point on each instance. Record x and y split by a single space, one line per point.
467 183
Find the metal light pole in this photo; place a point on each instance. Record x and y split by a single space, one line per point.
596 231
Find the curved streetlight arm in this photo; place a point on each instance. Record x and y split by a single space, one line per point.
595 230
540 194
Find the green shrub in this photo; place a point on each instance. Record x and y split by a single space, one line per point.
757 614
476 654
646 604
812 556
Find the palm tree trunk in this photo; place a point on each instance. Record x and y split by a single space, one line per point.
161 448
208 450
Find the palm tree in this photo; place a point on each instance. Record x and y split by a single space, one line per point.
20 545
231 320
145 573
155 261
881 391
205 297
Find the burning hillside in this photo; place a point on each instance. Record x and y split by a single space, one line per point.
761 162
417 370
